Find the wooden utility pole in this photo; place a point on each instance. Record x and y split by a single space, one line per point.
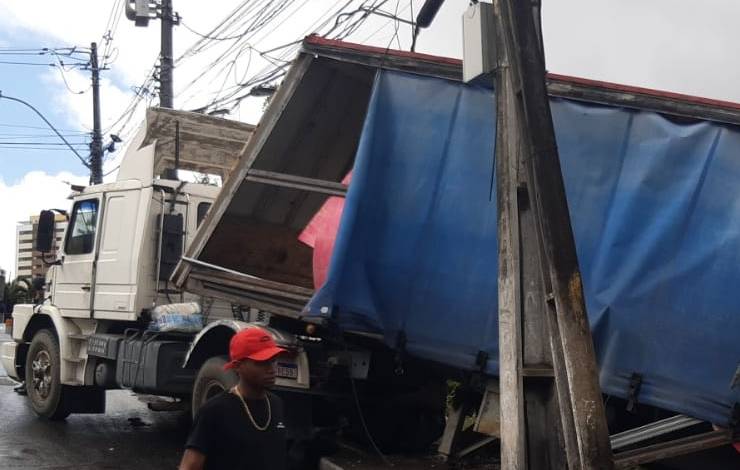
552 414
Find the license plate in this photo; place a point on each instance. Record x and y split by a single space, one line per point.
287 371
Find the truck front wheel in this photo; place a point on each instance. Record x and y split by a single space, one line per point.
212 379
43 383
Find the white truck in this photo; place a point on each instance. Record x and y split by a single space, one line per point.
91 332
124 238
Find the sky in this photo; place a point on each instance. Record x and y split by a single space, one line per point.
675 45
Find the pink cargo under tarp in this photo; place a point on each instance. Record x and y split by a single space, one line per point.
321 232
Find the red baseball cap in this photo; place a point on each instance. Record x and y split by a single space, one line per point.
252 343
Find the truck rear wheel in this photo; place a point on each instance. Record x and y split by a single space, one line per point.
43 383
212 379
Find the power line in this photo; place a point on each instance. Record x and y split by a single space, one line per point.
275 70
34 127
64 79
5 135
112 170
4 62
55 144
212 38
111 27
23 147
18 100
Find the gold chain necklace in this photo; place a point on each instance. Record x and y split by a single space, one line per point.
235 391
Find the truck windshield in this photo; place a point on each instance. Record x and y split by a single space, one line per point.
81 236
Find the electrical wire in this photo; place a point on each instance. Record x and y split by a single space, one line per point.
23 147
212 38
19 126
66 84
275 71
18 100
112 170
250 27
386 24
365 428
5 135
140 93
51 144
111 28
4 62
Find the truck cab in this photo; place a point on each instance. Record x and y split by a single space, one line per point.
122 242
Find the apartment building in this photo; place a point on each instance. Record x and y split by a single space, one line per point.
28 260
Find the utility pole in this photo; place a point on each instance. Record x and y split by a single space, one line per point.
166 94
96 146
552 413
140 12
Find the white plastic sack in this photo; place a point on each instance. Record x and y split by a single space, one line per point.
177 318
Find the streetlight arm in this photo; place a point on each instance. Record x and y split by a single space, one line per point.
84 162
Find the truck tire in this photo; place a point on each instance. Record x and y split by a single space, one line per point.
43 383
211 380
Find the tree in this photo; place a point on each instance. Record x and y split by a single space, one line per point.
19 291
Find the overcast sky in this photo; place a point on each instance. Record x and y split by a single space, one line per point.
676 45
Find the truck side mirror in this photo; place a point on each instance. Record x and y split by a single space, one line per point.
45 231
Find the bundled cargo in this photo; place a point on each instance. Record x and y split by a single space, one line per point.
177 318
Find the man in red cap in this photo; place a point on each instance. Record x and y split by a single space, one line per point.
242 428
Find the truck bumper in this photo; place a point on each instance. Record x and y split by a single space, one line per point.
7 358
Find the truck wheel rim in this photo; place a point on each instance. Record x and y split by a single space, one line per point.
41 367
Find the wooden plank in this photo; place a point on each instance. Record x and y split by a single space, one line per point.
612 94
513 442
383 58
539 415
259 249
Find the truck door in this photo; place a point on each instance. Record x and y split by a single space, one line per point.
116 268
73 279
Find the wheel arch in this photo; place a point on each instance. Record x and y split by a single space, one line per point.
49 317
213 340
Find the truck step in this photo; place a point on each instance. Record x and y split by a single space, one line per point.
76 360
74 383
77 336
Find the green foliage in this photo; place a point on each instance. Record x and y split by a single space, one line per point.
19 291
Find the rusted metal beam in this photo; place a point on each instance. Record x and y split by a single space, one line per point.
652 430
284 180
245 158
665 450
552 415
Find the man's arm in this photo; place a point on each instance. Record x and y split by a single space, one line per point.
192 460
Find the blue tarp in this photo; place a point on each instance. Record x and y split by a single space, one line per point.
655 207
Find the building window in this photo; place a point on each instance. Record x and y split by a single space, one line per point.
81 238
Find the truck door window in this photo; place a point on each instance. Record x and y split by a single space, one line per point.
81 234
202 211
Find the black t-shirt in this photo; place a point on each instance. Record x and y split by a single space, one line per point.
224 433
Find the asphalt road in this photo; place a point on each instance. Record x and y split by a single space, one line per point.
128 436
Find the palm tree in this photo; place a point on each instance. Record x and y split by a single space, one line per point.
19 291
